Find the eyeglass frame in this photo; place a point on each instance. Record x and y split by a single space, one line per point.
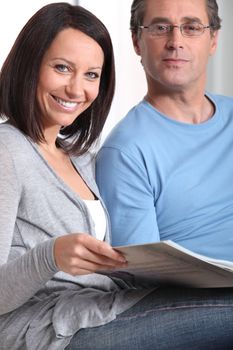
171 28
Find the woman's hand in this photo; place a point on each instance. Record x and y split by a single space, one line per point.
81 254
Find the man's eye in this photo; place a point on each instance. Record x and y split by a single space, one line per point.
192 27
161 27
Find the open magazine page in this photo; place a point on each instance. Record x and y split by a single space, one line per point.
225 264
168 263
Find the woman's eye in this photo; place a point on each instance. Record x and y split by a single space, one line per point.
92 75
62 68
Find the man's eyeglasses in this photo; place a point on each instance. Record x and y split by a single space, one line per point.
187 29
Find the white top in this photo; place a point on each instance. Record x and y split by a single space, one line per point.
98 216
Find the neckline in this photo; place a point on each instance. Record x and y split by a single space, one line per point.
60 180
200 126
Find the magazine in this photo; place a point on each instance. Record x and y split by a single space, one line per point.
167 263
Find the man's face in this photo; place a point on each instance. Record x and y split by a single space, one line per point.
173 62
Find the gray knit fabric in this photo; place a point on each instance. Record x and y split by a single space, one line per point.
40 307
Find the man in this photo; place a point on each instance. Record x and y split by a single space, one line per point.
166 170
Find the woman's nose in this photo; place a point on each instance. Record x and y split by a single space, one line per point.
75 87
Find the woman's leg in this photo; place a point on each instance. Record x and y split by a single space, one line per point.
168 318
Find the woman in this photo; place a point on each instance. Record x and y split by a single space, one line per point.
56 88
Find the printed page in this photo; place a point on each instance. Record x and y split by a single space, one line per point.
225 264
170 264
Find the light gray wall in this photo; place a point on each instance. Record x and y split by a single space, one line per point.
130 79
220 72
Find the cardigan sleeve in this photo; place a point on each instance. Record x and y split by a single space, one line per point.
23 276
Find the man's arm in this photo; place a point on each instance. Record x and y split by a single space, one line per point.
128 195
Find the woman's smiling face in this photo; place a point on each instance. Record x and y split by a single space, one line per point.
69 77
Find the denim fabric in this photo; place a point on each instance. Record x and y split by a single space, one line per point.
168 318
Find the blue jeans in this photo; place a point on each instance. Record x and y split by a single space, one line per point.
167 319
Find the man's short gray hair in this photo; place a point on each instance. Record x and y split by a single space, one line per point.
138 11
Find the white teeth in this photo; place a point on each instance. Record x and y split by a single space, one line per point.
67 104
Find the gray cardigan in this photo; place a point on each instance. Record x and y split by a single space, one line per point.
41 307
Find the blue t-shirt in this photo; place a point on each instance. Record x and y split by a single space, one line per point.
162 179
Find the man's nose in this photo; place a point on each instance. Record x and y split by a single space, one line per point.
175 38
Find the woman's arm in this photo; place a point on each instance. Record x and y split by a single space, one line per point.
22 277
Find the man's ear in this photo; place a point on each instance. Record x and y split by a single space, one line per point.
214 42
135 43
